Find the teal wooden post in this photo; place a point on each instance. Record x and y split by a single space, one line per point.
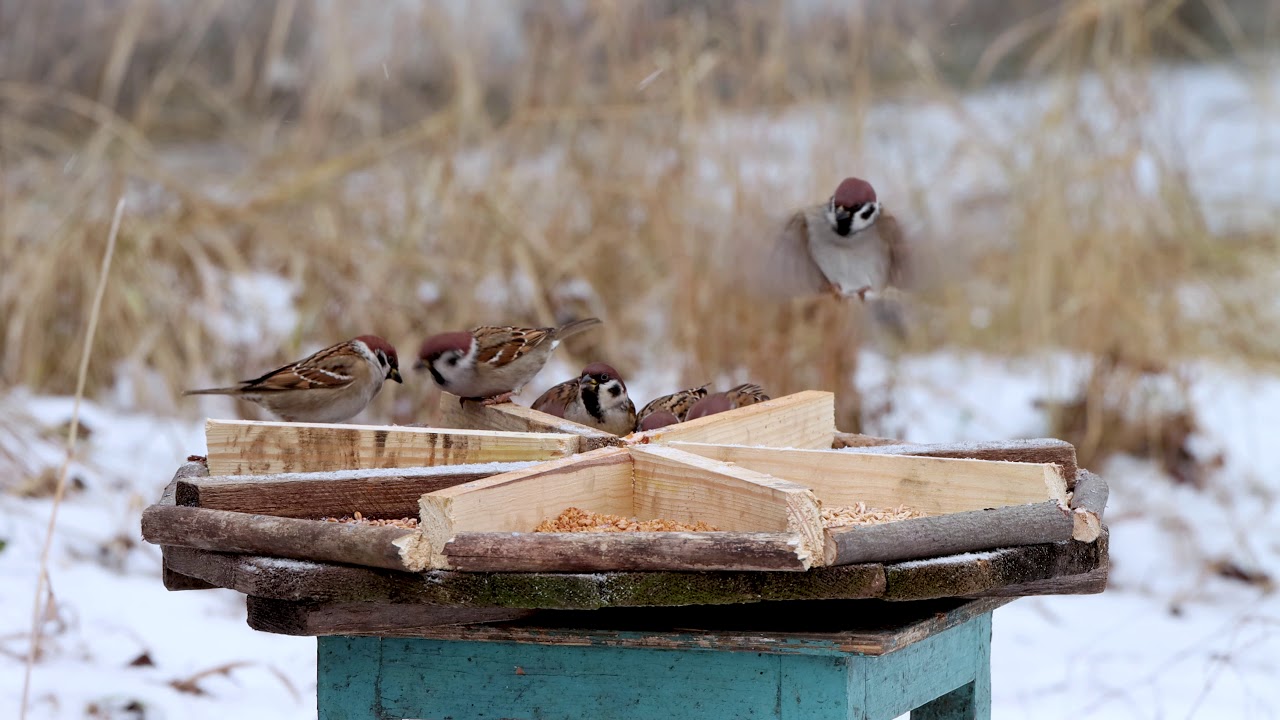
946 676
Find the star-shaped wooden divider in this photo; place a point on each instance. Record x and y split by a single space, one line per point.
761 475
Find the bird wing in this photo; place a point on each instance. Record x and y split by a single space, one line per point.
330 368
787 268
500 346
899 255
556 400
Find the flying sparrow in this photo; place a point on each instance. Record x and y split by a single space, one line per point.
330 386
848 246
492 363
596 398
731 399
677 403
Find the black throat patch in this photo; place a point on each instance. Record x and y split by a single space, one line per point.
591 401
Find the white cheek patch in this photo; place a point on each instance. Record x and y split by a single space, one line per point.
862 220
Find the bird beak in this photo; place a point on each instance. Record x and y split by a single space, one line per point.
395 375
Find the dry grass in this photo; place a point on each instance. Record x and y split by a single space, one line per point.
410 171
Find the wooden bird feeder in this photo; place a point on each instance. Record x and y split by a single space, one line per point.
760 475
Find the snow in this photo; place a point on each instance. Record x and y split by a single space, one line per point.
1168 637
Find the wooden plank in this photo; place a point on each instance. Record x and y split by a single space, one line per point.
593 552
931 485
800 420
598 481
518 418
316 619
1038 450
977 574
332 583
376 493
1088 501
940 535
263 534
175 581
843 440
245 447
1090 583
677 485
829 627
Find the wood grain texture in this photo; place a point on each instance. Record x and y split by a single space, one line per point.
598 481
240 447
941 535
676 485
1038 450
843 440
375 493
281 537
518 418
978 574
931 485
315 619
172 580
331 583
801 420
592 552
868 627
1088 501
1090 583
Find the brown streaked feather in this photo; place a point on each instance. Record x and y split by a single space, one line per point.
746 394
499 346
557 398
677 403
899 253
328 369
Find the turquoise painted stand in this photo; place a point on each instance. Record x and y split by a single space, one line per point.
936 668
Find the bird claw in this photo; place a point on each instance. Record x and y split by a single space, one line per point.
498 399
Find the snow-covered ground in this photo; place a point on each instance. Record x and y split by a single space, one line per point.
1168 638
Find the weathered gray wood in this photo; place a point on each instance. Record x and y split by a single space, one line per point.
1040 450
1090 583
329 583
1088 501
940 535
517 418
868 627
174 581
263 534
978 574
377 493
362 618
592 551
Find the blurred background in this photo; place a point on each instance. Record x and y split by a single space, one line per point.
1091 190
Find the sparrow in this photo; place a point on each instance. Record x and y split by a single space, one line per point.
677 403
655 420
596 398
330 386
731 399
848 246
492 363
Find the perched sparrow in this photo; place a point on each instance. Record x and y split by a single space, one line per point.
596 398
492 363
655 420
331 386
847 246
733 398
677 403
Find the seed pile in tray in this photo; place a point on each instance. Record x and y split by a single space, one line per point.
577 520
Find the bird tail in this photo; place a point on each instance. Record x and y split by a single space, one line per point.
577 326
213 391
